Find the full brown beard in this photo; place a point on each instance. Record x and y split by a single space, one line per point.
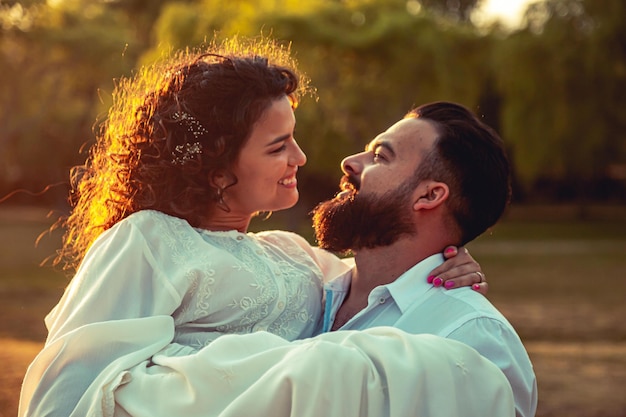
355 221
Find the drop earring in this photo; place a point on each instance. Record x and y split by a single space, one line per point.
220 200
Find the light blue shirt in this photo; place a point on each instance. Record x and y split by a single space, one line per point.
411 304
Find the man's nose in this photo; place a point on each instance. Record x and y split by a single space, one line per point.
353 164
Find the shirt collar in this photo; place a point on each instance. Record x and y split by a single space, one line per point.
340 283
405 289
412 284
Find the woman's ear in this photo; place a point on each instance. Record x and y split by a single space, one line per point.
220 179
430 194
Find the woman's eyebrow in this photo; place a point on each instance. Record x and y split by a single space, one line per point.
279 139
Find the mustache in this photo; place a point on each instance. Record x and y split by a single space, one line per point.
355 222
349 183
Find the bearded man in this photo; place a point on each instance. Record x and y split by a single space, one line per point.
438 177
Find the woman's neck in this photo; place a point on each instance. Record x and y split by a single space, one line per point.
222 221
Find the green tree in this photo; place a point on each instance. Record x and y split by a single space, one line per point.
371 63
561 94
555 90
456 9
56 64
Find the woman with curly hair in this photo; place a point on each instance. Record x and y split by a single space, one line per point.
193 148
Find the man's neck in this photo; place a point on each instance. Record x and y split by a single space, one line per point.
375 267
383 265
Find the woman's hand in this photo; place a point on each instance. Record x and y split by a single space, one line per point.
459 270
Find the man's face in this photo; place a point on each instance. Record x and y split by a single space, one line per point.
375 204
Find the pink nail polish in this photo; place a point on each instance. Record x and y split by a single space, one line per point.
437 282
430 279
476 287
449 250
449 284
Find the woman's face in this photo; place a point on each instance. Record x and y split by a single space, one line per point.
267 164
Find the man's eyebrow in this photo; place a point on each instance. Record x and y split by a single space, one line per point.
279 139
380 143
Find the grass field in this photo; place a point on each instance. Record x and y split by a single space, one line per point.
560 281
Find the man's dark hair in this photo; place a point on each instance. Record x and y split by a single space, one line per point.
469 156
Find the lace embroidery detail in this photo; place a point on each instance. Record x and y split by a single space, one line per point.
183 248
281 292
234 283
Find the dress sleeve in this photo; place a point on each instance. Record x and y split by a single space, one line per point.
118 279
330 264
114 314
380 371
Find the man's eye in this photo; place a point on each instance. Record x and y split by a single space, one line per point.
378 156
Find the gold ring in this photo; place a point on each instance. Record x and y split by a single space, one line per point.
481 276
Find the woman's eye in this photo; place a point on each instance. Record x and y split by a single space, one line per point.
378 156
278 150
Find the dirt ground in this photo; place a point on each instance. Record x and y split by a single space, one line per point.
582 379
15 355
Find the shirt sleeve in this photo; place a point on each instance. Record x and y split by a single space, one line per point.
503 347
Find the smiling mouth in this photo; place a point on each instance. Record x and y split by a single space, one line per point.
288 181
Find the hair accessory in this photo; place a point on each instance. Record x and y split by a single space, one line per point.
192 124
185 152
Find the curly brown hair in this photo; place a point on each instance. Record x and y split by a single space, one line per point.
222 90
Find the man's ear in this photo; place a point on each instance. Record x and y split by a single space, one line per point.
430 194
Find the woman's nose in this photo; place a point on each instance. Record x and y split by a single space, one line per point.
298 157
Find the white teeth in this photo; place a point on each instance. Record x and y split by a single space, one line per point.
287 181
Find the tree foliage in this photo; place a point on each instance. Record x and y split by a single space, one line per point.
55 61
563 82
555 89
455 9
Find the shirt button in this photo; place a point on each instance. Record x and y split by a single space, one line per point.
381 300
281 305
239 237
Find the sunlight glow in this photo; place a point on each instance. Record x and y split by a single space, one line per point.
507 12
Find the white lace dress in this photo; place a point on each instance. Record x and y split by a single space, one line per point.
135 335
154 268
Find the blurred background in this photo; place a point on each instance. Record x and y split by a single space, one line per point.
549 75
